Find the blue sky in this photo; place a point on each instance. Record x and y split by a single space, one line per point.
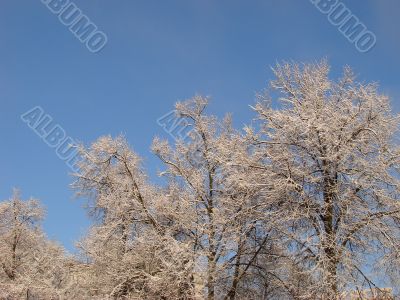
158 52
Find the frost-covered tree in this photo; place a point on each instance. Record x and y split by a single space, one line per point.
129 249
30 265
219 219
303 204
327 159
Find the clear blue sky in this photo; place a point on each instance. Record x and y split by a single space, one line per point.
158 52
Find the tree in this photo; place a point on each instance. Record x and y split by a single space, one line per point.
30 264
130 251
219 218
327 158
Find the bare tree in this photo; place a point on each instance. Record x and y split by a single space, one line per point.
30 264
129 249
222 220
327 158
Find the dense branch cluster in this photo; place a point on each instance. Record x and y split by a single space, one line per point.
302 204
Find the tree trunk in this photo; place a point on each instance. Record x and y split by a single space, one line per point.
330 238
